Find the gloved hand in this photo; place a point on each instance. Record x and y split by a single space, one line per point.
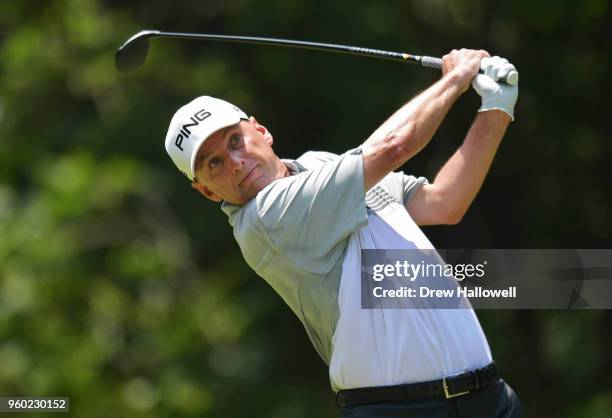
495 95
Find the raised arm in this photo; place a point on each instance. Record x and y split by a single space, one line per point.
448 198
409 129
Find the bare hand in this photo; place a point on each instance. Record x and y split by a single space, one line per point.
463 64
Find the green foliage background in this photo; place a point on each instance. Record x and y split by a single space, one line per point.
123 289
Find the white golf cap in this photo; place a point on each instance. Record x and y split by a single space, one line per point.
192 124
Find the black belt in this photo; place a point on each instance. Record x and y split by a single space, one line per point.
447 387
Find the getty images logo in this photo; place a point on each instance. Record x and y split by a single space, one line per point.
184 133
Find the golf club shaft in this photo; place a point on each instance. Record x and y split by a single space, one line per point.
317 46
133 52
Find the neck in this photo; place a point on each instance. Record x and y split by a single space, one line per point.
282 169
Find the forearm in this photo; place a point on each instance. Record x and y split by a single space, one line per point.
460 179
409 129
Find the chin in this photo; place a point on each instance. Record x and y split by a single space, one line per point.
259 186
253 191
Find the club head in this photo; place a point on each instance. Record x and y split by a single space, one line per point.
133 52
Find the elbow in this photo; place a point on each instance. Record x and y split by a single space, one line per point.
400 145
453 219
442 206
453 216
390 148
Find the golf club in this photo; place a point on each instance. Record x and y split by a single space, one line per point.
133 52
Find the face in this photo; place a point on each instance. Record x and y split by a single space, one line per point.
235 163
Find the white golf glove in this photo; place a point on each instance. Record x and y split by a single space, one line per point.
495 95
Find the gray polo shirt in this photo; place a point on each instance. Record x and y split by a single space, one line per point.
295 231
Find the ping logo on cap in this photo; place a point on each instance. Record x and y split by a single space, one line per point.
184 133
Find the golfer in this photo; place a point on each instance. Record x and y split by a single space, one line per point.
301 225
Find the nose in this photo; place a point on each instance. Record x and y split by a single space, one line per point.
236 162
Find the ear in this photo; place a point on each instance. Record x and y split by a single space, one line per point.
262 130
205 191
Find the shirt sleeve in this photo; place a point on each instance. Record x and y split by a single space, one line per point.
411 185
309 216
402 187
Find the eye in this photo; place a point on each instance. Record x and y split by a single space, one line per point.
236 141
213 163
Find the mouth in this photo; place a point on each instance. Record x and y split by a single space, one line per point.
247 176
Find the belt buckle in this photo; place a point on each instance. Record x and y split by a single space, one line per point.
445 387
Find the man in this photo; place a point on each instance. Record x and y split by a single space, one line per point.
301 225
